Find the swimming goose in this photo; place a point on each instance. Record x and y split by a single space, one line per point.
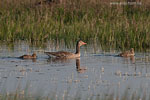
127 53
33 56
64 54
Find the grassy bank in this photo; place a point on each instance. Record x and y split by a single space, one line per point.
97 20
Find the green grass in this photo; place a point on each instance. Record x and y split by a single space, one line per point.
113 26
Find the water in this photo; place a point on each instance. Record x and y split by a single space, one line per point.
96 73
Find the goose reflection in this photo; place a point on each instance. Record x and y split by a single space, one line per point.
78 67
132 58
64 60
58 60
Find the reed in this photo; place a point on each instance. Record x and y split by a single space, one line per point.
126 95
119 26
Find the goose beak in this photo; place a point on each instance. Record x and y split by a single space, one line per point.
84 43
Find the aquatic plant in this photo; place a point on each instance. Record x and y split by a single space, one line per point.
127 95
119 26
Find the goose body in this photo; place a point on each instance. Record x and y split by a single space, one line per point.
64 54
33 56
129 53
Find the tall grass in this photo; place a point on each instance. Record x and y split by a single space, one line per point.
112 25
139 94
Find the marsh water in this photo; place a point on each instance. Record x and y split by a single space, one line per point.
97 73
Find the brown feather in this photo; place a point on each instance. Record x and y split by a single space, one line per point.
64 54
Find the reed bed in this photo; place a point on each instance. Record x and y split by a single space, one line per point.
117 26
139 94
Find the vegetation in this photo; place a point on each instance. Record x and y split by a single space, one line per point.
68 20
139 94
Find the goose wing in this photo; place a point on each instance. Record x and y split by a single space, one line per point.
59 54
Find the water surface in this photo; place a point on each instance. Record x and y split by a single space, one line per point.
98 72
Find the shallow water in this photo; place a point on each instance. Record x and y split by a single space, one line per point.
96 73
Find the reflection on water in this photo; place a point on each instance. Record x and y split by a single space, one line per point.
57 60
132 58
79 68
96 72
